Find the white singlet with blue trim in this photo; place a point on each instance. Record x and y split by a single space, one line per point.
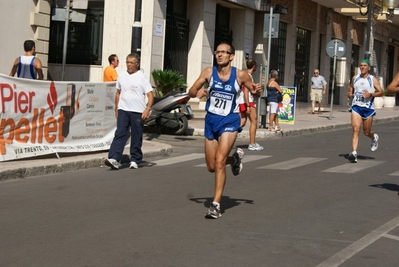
223 96
360 85
26 67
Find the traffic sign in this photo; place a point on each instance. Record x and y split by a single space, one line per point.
336 48
274 28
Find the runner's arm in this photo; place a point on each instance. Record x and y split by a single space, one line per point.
393 87
197 89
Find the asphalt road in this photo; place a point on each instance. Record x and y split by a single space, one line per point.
297 203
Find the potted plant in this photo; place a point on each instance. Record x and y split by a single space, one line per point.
378 102
389 100
168 80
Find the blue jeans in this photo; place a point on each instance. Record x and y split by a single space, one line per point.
125 120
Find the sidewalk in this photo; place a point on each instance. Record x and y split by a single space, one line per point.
304 124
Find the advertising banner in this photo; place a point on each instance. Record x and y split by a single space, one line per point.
44 117
286 108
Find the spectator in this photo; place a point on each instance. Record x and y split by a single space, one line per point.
28 66
110 74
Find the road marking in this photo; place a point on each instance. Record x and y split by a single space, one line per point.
395 173
179 159
294 163
357 246
354 167
394 237
246 159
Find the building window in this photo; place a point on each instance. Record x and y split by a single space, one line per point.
302 58
278 47
84 45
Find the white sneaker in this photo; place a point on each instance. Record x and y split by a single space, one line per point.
236 168
255 146
113 163
133 165
374 143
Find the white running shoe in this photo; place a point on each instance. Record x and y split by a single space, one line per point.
113 163
374 143
255 146
133 165
236 168
213 212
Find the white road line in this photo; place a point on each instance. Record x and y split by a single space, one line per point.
357 246
172 160
354 167
246 159
395 173
394 237
294 163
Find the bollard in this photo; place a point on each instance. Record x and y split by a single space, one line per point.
263 112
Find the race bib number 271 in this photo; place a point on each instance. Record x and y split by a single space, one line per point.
220 103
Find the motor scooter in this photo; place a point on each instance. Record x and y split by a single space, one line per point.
171 113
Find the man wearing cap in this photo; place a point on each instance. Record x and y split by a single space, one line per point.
317 89
364 87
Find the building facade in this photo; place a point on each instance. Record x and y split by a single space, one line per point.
182 35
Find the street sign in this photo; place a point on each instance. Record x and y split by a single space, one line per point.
80 4
60 14
336 48
275 24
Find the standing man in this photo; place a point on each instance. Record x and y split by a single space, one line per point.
131 111
251 68
364 87
110 74
222 120
318 86
28 66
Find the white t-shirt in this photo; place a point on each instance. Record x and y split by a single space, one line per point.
134 88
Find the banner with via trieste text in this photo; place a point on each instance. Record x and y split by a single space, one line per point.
44 117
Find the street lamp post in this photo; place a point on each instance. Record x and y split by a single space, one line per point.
367 53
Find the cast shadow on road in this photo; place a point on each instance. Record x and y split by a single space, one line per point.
227 202
391 187
359 157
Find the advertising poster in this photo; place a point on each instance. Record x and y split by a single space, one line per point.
44 117
286 108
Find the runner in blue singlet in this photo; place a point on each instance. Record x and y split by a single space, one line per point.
222 121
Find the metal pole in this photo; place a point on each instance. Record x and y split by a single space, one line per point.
269 43
269 38
333 79
367 53
64 49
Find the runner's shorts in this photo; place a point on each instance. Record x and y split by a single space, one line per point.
365 113
216 125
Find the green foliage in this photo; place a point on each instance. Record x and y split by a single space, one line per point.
168 80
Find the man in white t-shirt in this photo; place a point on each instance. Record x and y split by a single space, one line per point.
131 111
317 89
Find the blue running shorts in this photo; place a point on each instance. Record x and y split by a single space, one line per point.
216 125
365 113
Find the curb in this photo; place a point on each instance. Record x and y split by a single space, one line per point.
265 134
71 162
